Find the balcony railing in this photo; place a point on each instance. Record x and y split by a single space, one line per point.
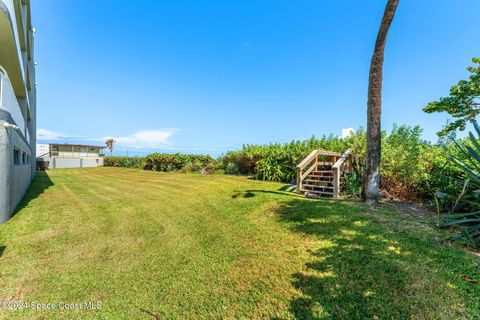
8 102
65 155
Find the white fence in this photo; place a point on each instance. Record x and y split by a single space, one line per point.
57 163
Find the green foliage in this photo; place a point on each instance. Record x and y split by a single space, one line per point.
352 185
465 208
164 162
232 168
270 169
402 151
412 168
173 162
125 162
463 103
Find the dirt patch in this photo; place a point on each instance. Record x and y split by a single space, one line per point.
412 209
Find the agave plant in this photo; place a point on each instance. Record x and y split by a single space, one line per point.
465 209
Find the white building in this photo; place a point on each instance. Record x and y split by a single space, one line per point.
17 104
64 155
43 149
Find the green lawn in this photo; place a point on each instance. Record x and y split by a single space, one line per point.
198 246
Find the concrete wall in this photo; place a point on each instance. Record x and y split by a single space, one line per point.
14 179
57 163
42 149
5 174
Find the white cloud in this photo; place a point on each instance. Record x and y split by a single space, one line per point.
44 134
347 132
141 139
145 138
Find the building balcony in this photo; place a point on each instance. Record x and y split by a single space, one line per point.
16 41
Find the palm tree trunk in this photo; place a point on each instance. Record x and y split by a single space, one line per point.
371 184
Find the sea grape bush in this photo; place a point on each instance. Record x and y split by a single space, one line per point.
126 162
177 161
163 162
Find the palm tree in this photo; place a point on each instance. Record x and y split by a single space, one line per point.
371 184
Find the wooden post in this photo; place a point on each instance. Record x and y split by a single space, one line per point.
299 180
336 182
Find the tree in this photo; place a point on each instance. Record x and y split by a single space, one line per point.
371 184
463 102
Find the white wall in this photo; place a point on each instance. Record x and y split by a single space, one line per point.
42 149
8 102
58 163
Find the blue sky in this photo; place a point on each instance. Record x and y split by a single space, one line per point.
208 76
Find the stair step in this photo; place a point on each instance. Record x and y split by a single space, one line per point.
318 187
319 176
323 171
319 192
316 181
309 186
325 163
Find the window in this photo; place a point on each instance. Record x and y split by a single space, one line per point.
16 156
54 152
24 158
28 159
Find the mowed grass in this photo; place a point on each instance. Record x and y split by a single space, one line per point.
192 246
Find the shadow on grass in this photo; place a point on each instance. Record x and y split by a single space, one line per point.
359 271
2 249
40 183
252 193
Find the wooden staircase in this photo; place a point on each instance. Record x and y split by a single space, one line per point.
321 171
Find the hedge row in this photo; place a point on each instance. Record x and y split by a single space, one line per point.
174 162
163 162
126 162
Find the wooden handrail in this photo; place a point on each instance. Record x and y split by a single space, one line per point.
316 153
342 159
306 173
307 160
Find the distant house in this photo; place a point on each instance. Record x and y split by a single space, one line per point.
57 155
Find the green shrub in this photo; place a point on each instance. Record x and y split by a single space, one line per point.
352 185
232 168
270 169
126 162
464 209
174 162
